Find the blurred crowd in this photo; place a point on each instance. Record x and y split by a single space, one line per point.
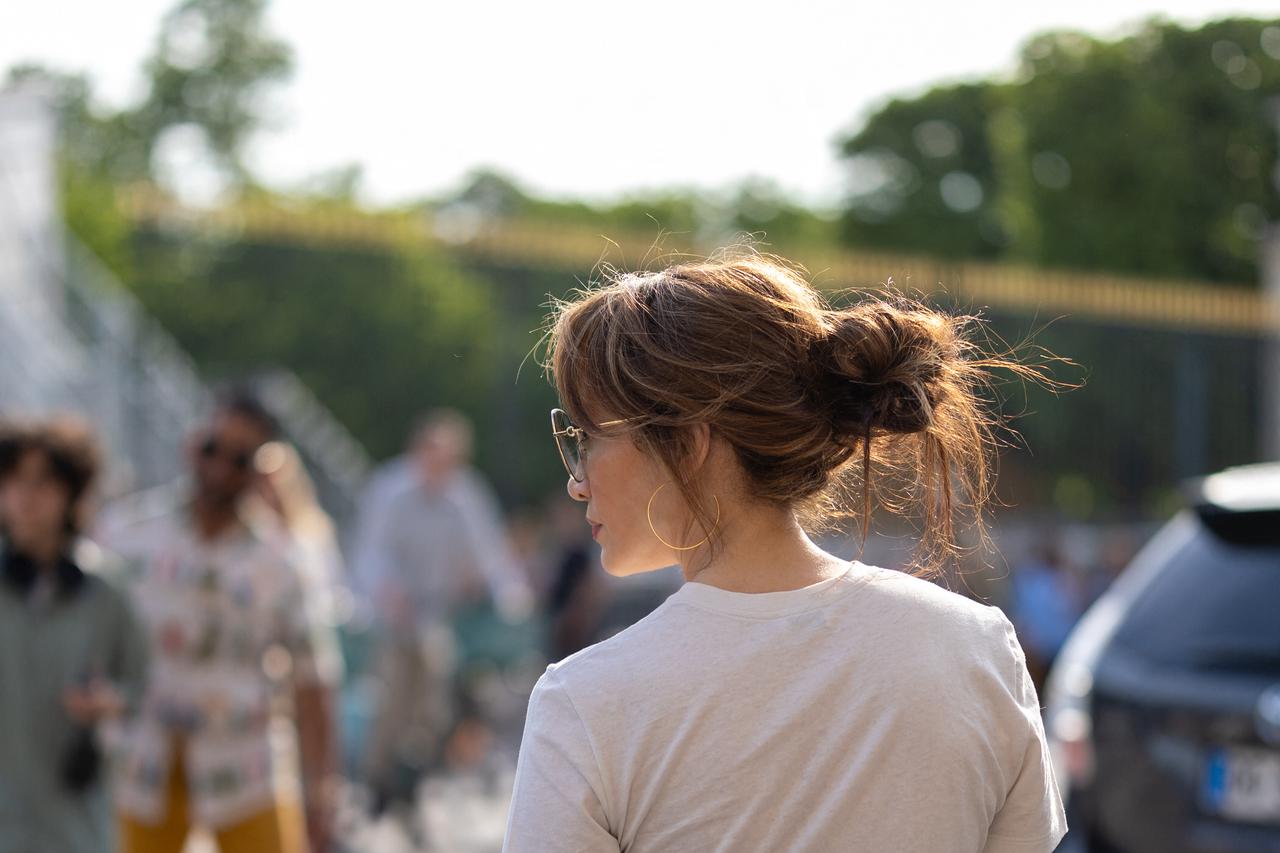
1047 591
218 654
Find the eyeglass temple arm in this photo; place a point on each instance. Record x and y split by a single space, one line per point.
574 432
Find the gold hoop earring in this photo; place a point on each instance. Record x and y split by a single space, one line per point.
649 514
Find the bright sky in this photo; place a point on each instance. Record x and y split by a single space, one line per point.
585 98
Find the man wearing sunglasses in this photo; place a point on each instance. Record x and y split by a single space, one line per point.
234 629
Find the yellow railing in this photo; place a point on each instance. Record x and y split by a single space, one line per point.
1230 309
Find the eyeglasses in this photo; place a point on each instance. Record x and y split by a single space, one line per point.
212 449
571 441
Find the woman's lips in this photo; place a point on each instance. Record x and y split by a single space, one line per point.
595 530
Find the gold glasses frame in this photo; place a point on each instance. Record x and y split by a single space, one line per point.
575 434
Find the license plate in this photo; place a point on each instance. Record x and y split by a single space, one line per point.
1243 784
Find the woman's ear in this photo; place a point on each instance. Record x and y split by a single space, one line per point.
700 451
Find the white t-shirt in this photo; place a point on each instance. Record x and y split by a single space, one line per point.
870 712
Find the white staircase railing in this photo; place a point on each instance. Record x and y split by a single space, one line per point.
72 337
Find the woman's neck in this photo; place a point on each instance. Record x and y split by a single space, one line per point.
761 549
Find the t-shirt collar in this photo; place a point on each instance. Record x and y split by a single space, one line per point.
767 604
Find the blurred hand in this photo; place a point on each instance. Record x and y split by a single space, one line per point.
94 701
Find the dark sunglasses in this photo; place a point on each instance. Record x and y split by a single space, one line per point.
212 449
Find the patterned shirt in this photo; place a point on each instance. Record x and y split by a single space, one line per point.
231 622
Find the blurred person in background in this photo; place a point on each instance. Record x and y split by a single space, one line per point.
72 652
782 698
288 496
576 596
429 541
236 648
1044 605
1117 549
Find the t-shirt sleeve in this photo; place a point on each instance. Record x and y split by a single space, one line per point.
1032 818
558 802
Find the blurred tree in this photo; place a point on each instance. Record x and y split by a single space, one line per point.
378 335
491 193
341 184
212 63
675 219
921 178
206 78
759 206
1150 154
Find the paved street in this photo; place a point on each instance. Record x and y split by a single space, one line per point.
463 814
457 815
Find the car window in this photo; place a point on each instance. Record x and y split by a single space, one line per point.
1216 605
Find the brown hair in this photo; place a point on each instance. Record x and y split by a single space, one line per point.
799 389
70 450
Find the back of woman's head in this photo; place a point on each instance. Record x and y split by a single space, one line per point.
818 403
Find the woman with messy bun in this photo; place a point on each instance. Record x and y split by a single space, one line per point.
782 699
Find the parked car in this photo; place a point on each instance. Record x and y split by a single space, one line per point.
1164 705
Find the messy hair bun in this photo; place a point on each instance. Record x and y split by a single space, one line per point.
799 390
882 367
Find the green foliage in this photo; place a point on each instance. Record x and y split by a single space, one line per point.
1150 154
922 177
673 219
378 336
211 62
91 213
760 207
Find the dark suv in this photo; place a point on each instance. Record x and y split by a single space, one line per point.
1164 706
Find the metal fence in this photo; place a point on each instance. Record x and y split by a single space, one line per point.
1173 375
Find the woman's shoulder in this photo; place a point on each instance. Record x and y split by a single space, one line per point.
925 621
907 618
899 594
635 649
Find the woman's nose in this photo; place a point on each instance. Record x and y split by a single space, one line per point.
578 490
